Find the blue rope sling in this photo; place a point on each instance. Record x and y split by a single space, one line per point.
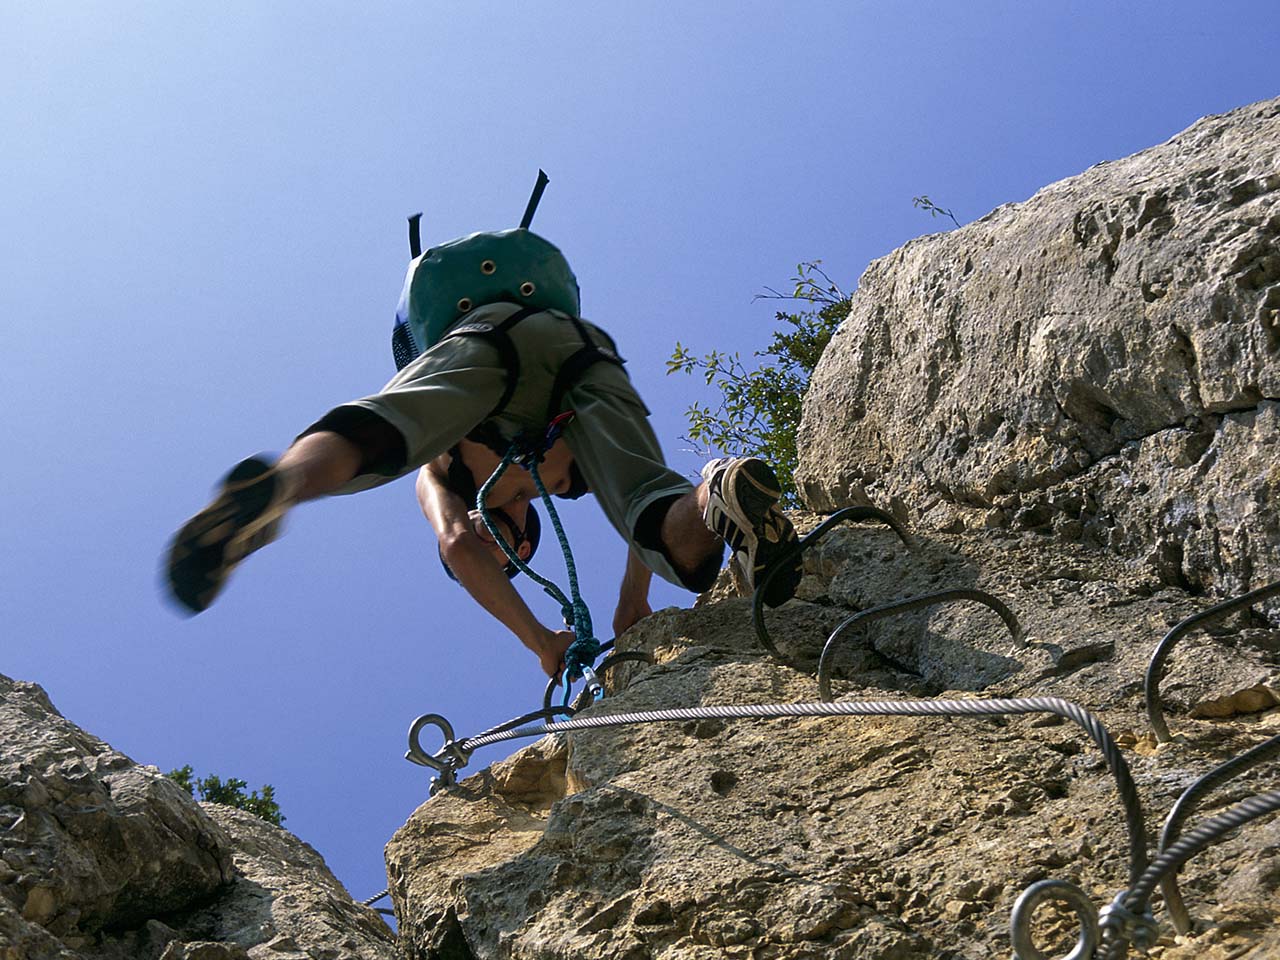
582 653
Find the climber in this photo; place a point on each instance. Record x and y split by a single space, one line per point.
490 347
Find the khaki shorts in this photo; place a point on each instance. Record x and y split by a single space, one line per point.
450 389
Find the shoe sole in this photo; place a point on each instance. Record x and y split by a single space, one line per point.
753 491
212 543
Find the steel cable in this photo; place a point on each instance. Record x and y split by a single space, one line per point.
1182 850
1063 708
1182 809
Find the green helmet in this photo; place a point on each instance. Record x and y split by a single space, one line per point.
448 281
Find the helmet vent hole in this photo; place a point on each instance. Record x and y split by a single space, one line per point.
464 304
488 267
527 288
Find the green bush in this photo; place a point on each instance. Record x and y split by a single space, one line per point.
758 413
212 789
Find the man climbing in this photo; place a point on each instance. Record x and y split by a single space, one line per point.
491 347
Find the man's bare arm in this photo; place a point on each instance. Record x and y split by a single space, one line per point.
633 595
472 562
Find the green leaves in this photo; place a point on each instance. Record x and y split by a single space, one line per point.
924 203
212 789
758 413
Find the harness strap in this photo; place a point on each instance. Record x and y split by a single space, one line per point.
572 369
415 235
499 335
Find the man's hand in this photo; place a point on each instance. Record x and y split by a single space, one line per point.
631 610
633 595
551 654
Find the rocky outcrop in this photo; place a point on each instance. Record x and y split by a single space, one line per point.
284 903
884 838
1101 361
104 859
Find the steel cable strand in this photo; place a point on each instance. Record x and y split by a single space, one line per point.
546 713
1134 901
1063 708
903 606
812 537
1183 808
370 901
1155 670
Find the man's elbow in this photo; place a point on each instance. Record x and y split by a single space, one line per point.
459 546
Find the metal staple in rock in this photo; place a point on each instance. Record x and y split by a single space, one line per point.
812 537
1155 670
903 606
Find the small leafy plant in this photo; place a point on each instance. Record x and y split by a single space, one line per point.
213 789
924 203
758 413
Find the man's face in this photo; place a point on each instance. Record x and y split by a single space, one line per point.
518 512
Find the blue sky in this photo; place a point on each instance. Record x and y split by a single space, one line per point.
202 211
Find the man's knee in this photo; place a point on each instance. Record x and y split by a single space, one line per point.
382 446
699 577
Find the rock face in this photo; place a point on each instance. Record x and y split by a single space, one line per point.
104 859
1102 361
1098 375
888 838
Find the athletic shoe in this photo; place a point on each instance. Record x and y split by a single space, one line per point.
742 508
243 517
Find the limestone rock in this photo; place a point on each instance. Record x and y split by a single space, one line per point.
853 837
284 903
91 840
103 859
1101 361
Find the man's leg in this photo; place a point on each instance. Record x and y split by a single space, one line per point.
317 464
736 504
679 531
425 409
687 539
